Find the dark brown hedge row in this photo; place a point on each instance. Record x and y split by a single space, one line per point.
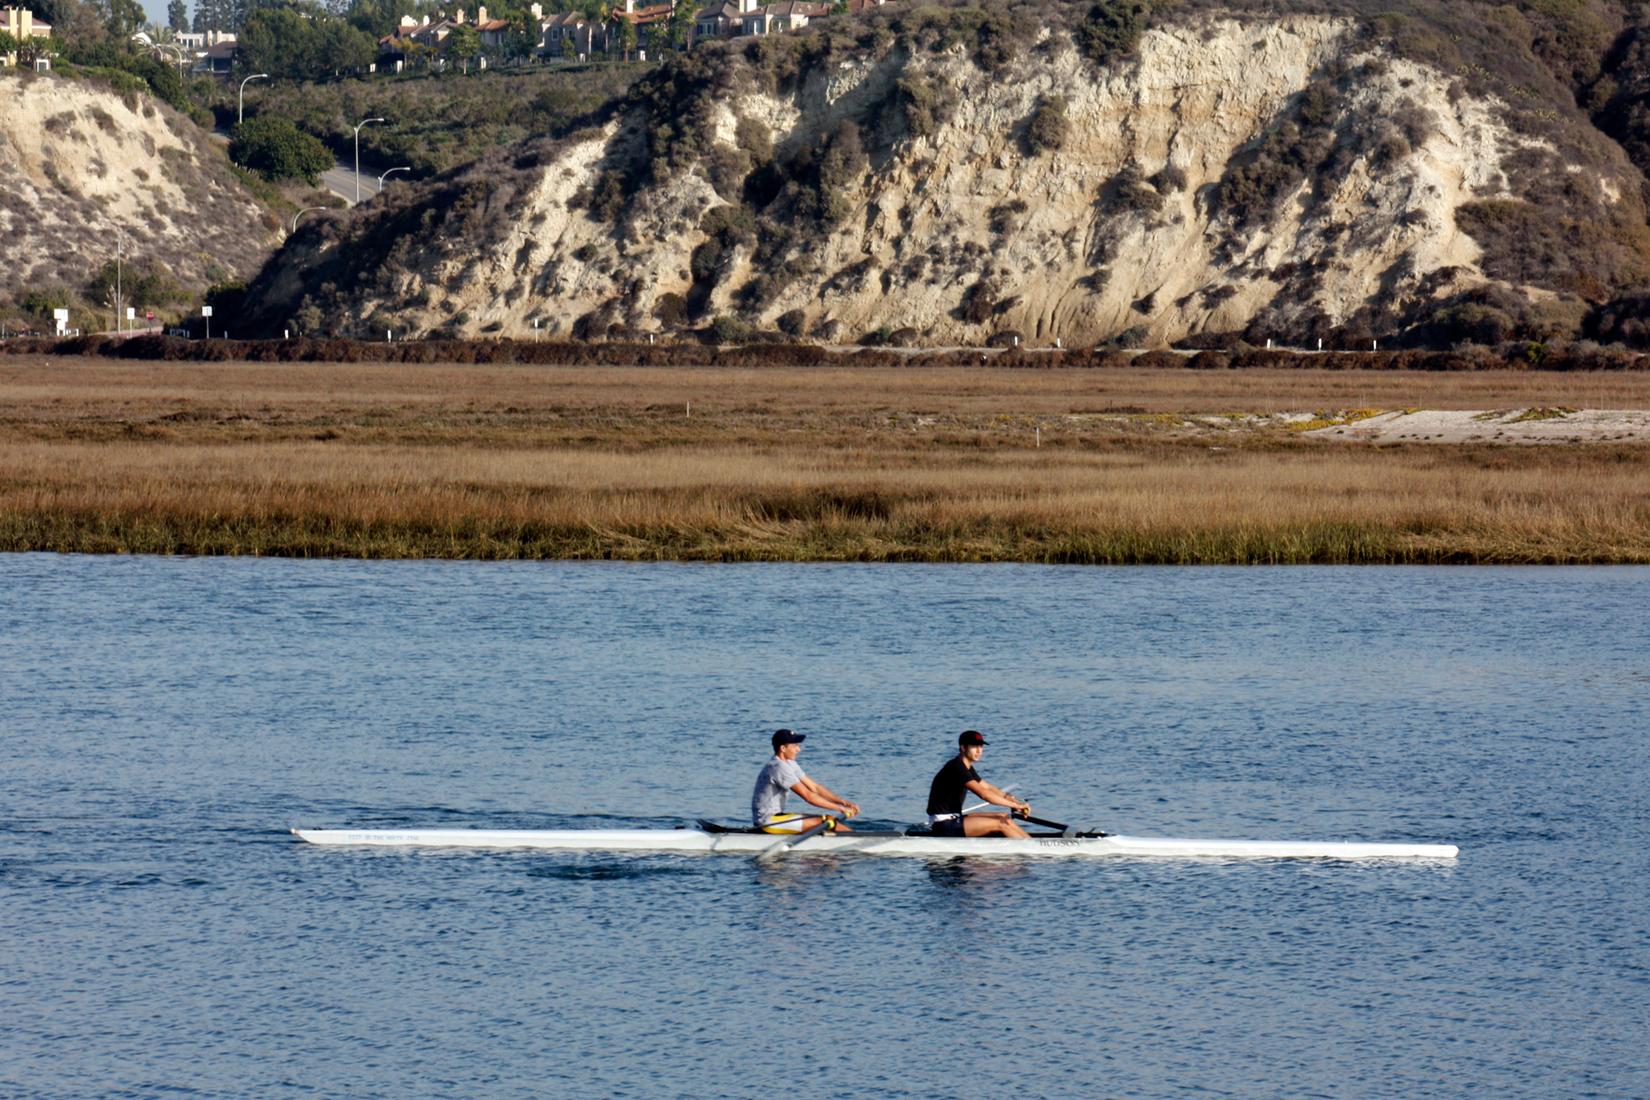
1582 356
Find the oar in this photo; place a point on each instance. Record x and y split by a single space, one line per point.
983 805
774 851
1065 830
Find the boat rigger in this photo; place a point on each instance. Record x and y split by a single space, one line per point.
711 838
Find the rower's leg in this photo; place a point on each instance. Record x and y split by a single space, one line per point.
791 823
991 825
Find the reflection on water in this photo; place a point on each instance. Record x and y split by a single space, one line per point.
967 873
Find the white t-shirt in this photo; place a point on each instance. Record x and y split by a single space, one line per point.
777 778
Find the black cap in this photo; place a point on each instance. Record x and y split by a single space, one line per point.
972 737
788 737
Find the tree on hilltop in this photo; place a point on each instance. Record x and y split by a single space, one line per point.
464 43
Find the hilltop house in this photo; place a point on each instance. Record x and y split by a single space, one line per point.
432 34
742 17
21 24
649 20
721 21
587 37
201 40
493 32
781 18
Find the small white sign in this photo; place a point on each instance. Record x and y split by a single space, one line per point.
60 315
206 311
131 312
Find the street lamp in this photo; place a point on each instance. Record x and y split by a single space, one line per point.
120 243
240 100
300 214
358 126
176 49
403 168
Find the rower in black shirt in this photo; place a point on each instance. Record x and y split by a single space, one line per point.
945 796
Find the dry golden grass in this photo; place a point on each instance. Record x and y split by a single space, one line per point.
408 461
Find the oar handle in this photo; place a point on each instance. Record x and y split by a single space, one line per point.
1045 823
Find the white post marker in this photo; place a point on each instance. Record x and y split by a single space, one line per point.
206 311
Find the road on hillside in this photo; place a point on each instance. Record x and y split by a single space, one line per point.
340 180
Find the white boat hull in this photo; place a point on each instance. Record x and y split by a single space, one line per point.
878 844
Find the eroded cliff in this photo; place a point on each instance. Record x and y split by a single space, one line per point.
83 167
1291 175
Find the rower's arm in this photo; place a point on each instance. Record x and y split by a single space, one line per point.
818 794
997 796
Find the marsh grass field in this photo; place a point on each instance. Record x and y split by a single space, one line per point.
852 463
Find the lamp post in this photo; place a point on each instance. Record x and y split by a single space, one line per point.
177 50
403 168
119 245
300 214
240 100
358 126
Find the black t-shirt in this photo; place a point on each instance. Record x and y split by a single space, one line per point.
945 794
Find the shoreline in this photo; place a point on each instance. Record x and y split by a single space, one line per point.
1128 466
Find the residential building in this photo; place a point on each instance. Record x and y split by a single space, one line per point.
721 21
201 40
217 59
781 18
21 24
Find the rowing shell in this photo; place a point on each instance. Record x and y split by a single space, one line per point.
866 843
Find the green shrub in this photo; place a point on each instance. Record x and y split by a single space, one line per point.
730 330
922 108
1281 159
1047 128
793 322
1003 215
670 309
978 303
1111 31
277 150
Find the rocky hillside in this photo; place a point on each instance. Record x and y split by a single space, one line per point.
81 163
1074 171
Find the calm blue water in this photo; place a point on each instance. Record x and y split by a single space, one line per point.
162 722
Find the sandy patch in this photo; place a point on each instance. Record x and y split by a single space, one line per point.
1538 425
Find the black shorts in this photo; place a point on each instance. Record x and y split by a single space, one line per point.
950 827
